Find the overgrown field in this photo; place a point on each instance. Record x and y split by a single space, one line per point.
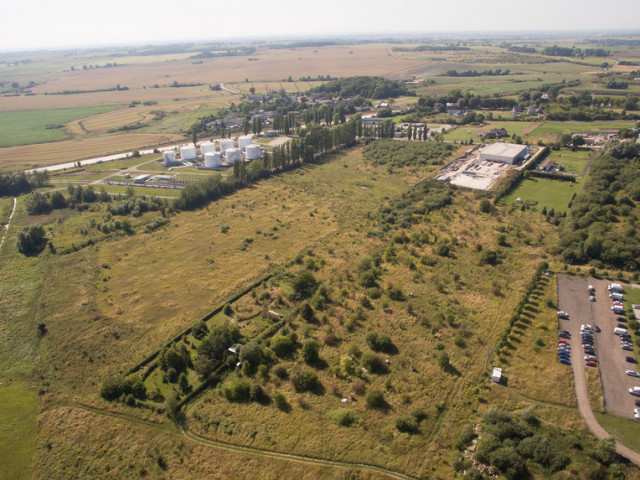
40 126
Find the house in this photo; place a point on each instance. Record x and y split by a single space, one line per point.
496 375
438 107
517 109
548 165
382 105
373 121
496 133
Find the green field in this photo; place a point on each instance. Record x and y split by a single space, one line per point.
574 162
18 420
40 126
624 430
467 132
551 130
550 193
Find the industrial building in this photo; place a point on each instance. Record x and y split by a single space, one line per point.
232 154
169 158
226 144
510 153
141 178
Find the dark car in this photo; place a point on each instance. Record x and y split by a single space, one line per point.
566 361
597 328
621 319
630 359
565 332
637 403
627 347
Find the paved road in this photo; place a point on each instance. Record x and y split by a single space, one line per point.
570 290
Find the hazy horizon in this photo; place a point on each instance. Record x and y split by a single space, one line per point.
52 26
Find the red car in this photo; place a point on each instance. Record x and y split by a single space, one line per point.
590 363
562 341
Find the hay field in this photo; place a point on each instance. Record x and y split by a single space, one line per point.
30 156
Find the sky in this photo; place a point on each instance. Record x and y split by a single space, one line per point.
85 23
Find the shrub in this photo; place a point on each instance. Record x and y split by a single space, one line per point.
485 206
304 284
463 440
310 352
280 400
344 417
509 462
112 388
373 362
407 424
237 391
418 413
305 381
283 345
375 399
31 240
489 257
379 343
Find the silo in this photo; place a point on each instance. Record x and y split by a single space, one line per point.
253 152
226 144
245 141
232 154
188 153
212 159
208 147
169 157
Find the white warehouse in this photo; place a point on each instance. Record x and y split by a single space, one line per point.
504 152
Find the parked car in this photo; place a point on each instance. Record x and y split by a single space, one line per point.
586 328
632 373
566 361
597 328
630 359
589 357
637 403
623 327
635 391
592 298
565 332
621 319
637 416
562 314
590 363
562 341
628 348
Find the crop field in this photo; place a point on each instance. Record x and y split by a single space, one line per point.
40 126
545 192
29 156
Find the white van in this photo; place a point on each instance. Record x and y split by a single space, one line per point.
615 287
619 331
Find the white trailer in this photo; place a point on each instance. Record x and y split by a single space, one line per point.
496 375
615 288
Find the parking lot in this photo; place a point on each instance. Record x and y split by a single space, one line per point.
573 298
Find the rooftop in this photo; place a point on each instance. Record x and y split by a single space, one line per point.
503 149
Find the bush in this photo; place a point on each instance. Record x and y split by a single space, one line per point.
283 345
280 371
379 343
489 257
407 424
31 240
112 388
373 362
237 391
485 206
463 440
305 381
509 462
280 400
304 284
310 352
344 417
375 399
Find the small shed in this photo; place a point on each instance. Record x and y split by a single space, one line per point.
496 375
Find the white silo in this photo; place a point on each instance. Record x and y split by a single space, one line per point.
253 152
226 144
245 141
188 153
169 157
208 147
232 154
212 159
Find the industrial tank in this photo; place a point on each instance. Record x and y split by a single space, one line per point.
188 153
245 141
226 144
232 154
212 159
208 147
169 157
253 152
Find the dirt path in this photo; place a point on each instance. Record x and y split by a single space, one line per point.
6 229
588 165
228 89
580 312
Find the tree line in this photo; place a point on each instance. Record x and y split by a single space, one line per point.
13 184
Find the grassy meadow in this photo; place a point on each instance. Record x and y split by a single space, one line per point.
544 192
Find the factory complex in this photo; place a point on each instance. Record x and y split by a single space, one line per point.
481 166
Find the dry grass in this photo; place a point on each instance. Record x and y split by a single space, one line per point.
29 156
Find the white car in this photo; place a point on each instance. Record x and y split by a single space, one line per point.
637 416
592 298
635 391
633 373
562 314
586 328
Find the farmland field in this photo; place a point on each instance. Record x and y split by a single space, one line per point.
550 131
41 126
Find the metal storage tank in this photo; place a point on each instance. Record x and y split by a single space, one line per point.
207 147
226 144
169 157
245 141
212 159
188 153
253 152
232 154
